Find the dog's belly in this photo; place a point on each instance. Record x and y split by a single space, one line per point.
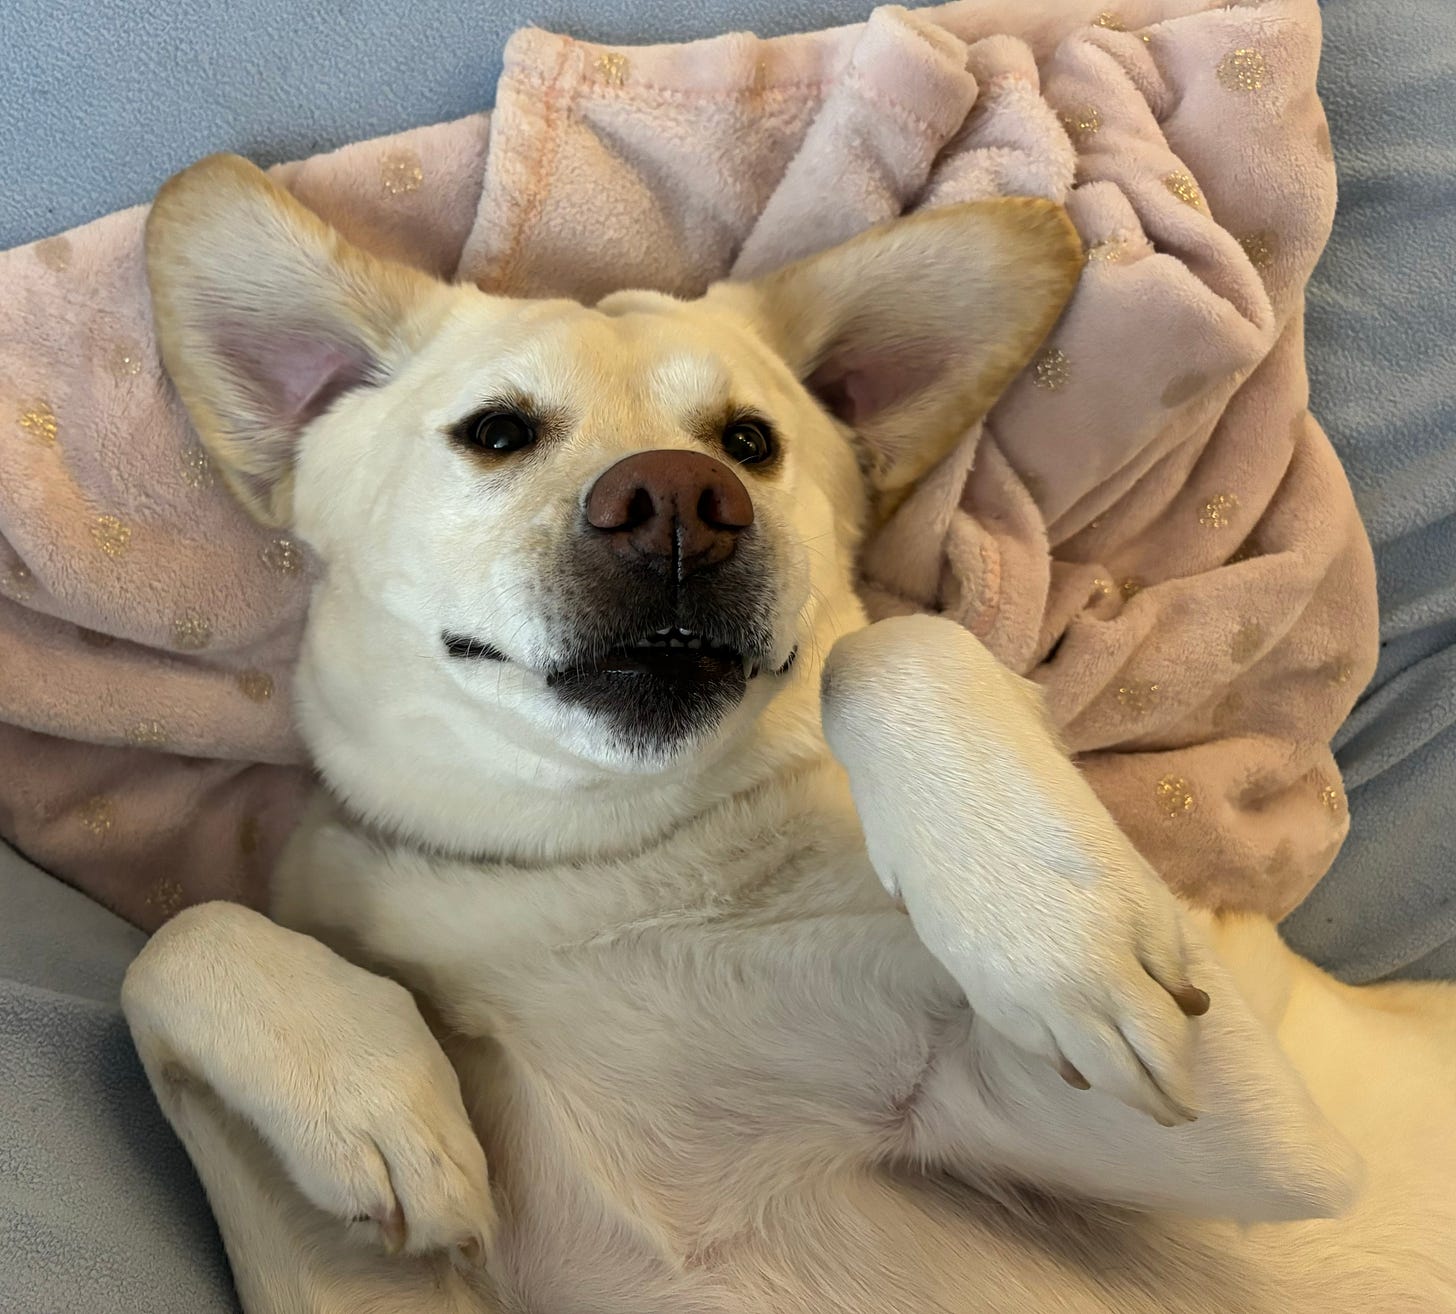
610 1209
652 1158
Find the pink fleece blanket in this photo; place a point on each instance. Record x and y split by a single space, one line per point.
1150 523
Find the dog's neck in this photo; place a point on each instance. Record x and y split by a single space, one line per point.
423 763
544 812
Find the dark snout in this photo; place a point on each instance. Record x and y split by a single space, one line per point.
673 512
666 598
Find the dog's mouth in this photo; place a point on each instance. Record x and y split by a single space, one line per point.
672 653
660 688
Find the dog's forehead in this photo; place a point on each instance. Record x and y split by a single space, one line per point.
662 352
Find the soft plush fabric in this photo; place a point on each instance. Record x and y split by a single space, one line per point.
99 1208
1382 330
1171 550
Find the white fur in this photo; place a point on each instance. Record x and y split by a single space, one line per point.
714 1066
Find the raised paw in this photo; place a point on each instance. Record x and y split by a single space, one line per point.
388 1147
332 1065
1014 874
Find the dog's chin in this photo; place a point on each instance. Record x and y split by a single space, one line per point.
656 703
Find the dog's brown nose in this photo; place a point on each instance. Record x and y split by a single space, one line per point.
675 511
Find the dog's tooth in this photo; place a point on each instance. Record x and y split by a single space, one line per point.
750 668
674 643
695 642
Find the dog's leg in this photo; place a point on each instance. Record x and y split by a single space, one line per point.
322 1116
1074 957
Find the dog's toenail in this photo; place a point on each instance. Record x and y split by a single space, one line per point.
1193 1001
1072 1077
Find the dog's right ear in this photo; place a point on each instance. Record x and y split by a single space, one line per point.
265 316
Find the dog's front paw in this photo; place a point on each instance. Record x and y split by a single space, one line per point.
1100 987
1014 874
373 1131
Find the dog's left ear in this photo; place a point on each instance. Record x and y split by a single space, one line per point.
909 332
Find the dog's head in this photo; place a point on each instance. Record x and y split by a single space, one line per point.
568 539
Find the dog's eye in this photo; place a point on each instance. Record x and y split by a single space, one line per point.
747 442
501 432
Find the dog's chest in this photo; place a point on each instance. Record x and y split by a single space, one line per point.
645 1102
652 1051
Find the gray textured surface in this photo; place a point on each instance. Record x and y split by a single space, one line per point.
101 103
99 1210
1382 359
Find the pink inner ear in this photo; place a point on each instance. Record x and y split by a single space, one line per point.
293 376
856 385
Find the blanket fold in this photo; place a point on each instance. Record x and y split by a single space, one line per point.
1149 524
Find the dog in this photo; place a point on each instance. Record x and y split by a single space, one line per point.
663 936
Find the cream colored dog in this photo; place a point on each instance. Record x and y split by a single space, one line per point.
765 957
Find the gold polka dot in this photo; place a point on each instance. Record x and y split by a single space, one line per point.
111 535
19 582
191 631
1332 799
1341 672
257 685
148 734
1081 123
1137 696
167 897
1245 644
97 815
39 422
1130 587
1259 247
54 253
124 359
1218 511
1242 70
1173 796
197 468
1095 523
284 556
611 68
250 835
1181 183
1110 251
1101 588
1110 20
1051 369
1183 389
94 638
401 172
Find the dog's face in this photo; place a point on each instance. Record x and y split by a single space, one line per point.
613 524
609 534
